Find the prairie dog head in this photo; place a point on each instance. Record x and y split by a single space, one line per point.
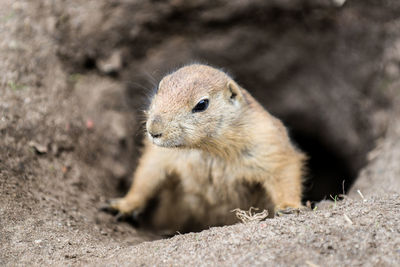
193 108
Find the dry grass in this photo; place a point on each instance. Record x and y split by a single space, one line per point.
251 215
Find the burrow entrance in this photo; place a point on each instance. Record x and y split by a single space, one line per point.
335 157
315 69
327 173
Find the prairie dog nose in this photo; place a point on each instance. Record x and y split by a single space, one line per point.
155 135
154 126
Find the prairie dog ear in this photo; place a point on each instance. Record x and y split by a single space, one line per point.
233 92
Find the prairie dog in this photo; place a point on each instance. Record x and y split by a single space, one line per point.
210 148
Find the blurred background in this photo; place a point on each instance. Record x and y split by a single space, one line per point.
313 64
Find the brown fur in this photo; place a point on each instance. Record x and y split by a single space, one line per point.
232 155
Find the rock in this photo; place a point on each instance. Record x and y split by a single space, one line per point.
39 148
112 64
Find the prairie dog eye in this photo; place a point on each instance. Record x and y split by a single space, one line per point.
201 106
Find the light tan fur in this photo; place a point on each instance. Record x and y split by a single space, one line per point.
232 155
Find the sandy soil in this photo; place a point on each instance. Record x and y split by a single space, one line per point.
69 141
351 233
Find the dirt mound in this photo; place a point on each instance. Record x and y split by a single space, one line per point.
351 232
75 75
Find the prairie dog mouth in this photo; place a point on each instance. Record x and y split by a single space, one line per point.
166 143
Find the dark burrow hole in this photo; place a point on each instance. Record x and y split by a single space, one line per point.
89 63
328 173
